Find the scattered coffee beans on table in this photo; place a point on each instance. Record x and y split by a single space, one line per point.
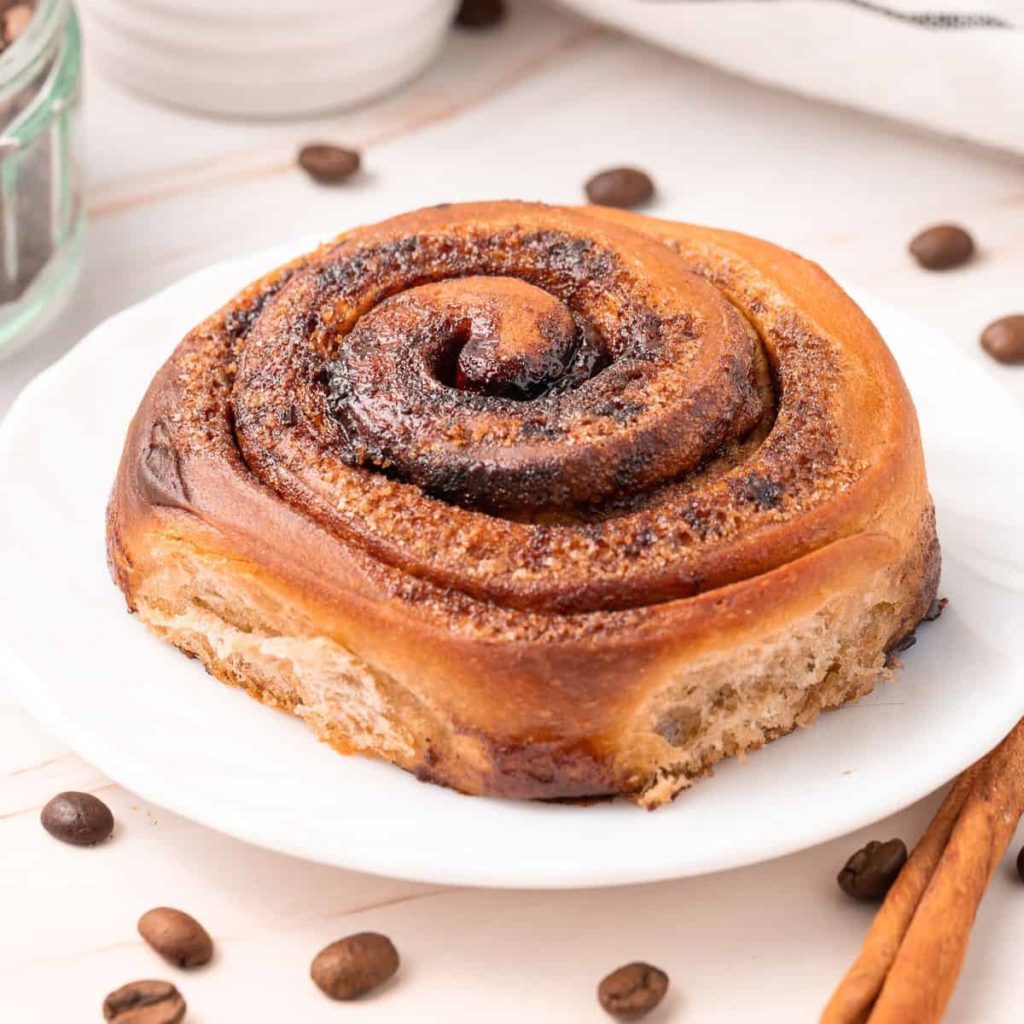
327 163
178 937
632 991
480 13
622 187
351 967
145 1002
870 872
77 818
1003 339
942 247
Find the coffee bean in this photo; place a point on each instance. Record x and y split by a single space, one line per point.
631 992
480 13
176 936
942 247
351 967
1020 863
622 187
1003 339
77 818
145 1002
870 872
328 164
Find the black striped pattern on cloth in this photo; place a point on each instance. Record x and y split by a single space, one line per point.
925 19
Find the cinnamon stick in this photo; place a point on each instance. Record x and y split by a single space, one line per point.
913 952
852 1000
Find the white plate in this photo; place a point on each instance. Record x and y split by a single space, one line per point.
156 723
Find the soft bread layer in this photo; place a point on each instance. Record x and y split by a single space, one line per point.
721 704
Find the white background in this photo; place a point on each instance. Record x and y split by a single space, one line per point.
529 111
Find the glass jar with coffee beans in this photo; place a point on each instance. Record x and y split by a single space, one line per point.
40 183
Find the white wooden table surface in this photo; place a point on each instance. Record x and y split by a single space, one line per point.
528 111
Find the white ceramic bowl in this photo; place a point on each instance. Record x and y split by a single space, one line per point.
255 58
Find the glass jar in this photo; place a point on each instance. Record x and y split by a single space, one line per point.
41 209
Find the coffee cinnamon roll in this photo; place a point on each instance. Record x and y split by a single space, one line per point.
533 501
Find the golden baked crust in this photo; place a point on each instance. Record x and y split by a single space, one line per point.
533 501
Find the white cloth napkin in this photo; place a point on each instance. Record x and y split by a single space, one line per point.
956 66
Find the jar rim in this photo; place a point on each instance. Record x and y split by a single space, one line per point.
33 44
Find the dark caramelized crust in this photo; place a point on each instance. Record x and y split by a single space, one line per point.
549 482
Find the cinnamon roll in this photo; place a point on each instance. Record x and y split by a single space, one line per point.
533 501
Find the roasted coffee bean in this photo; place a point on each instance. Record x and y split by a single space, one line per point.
1020 863
176 936
349 968
78 818
942 247
1003 339
622 187
870 872
328 164
145 1002
480 13
631 992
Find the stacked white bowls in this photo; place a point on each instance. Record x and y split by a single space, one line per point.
264 57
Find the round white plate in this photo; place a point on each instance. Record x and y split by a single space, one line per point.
152 719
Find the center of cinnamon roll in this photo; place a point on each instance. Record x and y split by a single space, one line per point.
516 393
516 341
495 336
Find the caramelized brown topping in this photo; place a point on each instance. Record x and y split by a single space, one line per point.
532 406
